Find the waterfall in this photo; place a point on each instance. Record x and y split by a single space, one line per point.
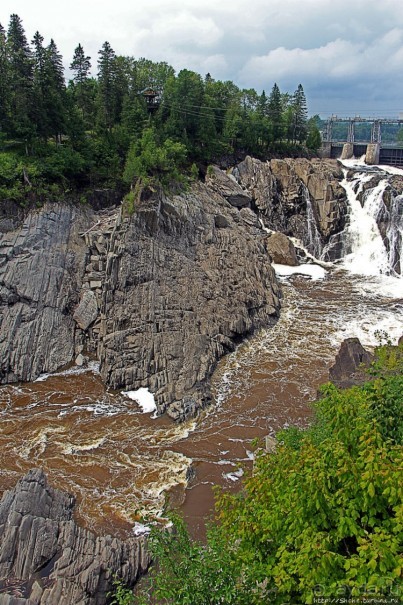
394 234
314 242
365 251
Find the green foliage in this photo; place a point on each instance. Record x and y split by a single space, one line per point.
121 595
106 123
313 140
188 572
322 516
386 391
194 172
153 162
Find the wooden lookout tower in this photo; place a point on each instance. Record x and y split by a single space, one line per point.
152 97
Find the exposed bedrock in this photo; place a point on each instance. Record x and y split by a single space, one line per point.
42 260
47 559
298 197
160 295
281 249
351 364
186 279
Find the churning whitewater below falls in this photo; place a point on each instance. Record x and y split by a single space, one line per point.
122 463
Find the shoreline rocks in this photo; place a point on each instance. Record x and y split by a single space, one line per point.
351 364
47 559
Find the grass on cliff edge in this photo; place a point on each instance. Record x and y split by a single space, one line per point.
321 518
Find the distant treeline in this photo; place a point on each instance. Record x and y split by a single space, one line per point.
85 133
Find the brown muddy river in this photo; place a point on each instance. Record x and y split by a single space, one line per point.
121 463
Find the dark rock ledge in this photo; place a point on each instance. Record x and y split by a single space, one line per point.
47 559
351 364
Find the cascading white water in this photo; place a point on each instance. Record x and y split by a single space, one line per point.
314 244
395 234
366 251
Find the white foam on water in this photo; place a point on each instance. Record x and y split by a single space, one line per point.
37 444
360 163
71 448
143 398
381 285
369 329
139 529
235 476
100 408
93 366
313 271
173 468
169 434
225 463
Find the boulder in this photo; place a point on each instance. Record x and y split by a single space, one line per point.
350 365
226 185
87 311
281 250
47 559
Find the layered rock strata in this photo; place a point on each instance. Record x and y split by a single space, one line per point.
42 262
161 295
45 558
299 198
186 279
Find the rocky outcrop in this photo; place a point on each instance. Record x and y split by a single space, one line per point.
225 185
298 197
160 295
46 559
281 249
186 279
41 265
351 364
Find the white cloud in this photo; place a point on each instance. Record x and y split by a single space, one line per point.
338 60
182 29
332 47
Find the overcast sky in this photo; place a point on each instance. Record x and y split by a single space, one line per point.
348 54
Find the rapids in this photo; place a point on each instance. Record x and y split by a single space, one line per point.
122 464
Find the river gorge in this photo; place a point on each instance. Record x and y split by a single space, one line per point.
122 464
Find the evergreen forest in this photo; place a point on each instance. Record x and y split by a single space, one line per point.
135 119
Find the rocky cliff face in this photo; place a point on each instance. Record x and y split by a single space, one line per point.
186 279
42 261
300 198
45 558
161 295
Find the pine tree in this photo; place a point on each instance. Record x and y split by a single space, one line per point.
107 86
4 82
83 85
81 66
39 114
275 112
300 115
21 75
56 100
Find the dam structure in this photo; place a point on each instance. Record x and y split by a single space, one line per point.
376 138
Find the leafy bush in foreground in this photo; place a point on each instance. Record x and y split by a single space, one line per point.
320 518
